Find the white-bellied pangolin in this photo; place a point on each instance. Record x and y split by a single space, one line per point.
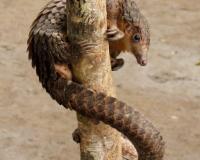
49 50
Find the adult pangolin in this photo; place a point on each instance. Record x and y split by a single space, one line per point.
50 52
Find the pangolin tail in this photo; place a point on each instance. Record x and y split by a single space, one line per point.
144 136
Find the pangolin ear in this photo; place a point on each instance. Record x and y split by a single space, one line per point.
128 29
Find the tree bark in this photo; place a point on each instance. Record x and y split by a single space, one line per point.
86 26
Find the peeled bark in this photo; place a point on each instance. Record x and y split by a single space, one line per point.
86 25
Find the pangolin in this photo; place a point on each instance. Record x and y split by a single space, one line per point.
49 50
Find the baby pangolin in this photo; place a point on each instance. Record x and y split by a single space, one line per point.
49 50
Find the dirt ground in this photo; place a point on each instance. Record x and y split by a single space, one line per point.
167 91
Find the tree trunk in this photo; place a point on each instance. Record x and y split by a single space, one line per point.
86 26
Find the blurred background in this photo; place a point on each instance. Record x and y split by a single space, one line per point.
167 91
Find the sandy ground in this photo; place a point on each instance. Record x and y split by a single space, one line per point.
34 127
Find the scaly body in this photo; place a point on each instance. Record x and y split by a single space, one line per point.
49 50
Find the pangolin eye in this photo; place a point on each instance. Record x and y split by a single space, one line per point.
136 38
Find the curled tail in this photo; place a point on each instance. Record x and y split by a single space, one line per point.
145 137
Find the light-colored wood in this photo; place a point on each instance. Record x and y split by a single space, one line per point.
86 23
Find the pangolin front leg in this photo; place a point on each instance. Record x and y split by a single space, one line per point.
113 12
116 63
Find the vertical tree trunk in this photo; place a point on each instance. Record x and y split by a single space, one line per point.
86 25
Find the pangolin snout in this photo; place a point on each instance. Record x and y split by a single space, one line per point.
141 60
